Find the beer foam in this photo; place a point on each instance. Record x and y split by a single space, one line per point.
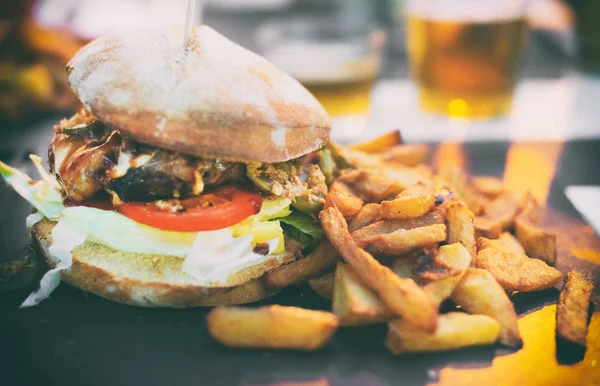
466 10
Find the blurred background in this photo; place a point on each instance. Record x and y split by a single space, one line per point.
482 69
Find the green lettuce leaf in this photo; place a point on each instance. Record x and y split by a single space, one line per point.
44 196
303 228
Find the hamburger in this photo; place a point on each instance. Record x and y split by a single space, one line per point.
190 173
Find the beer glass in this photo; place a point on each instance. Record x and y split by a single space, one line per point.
337 62
464 54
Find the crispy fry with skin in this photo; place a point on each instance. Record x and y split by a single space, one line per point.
271 327
369 214
403 266
404 176
461 228
404 241
371 185
410 203
479 293
486 228
390 226
457 180
341 195
409 155
402 296
531 209
457 260
379 144
573 306
323 285
323 258
506 243
537 243
502 210
489 186
455 330
354 303
517 272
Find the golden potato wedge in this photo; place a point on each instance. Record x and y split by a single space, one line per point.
369 214
457 180
461 228
323 258
489 186
354 303
537 243
390 226
531 209
456 259
455 330
404 176
341 196
486 228
373 186
517 272
479 293
573 307
271 327
502 210
379 144
412 202
406 240
403 266
323 285
402 296
360 159
506 243
409 155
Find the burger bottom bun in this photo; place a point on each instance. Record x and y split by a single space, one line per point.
147 280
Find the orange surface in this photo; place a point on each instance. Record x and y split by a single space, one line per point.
535 364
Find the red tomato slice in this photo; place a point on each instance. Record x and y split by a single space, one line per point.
217 210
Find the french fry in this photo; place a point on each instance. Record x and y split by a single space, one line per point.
517 272
373 186
502 210
353 302
537 243
407 240
321 259
379 144
454 177
368 215
405 176
454 258
479 293
343 198
506 243
390 226
412 202
486 228
573 306
455 330
531 209
489 186
461 228
409 155
402 296
271 327
323 285
403 266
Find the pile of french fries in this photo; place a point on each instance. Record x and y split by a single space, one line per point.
401 240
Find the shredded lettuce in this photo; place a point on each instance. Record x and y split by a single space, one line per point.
43 196
302 228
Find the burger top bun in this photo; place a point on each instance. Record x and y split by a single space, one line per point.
211 98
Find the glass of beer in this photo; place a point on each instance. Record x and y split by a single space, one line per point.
337 62
465 54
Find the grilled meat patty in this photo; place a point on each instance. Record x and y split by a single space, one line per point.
88 157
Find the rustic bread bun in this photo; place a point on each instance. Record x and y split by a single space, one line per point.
211 99
152 280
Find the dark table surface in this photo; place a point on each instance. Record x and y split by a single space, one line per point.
75 338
